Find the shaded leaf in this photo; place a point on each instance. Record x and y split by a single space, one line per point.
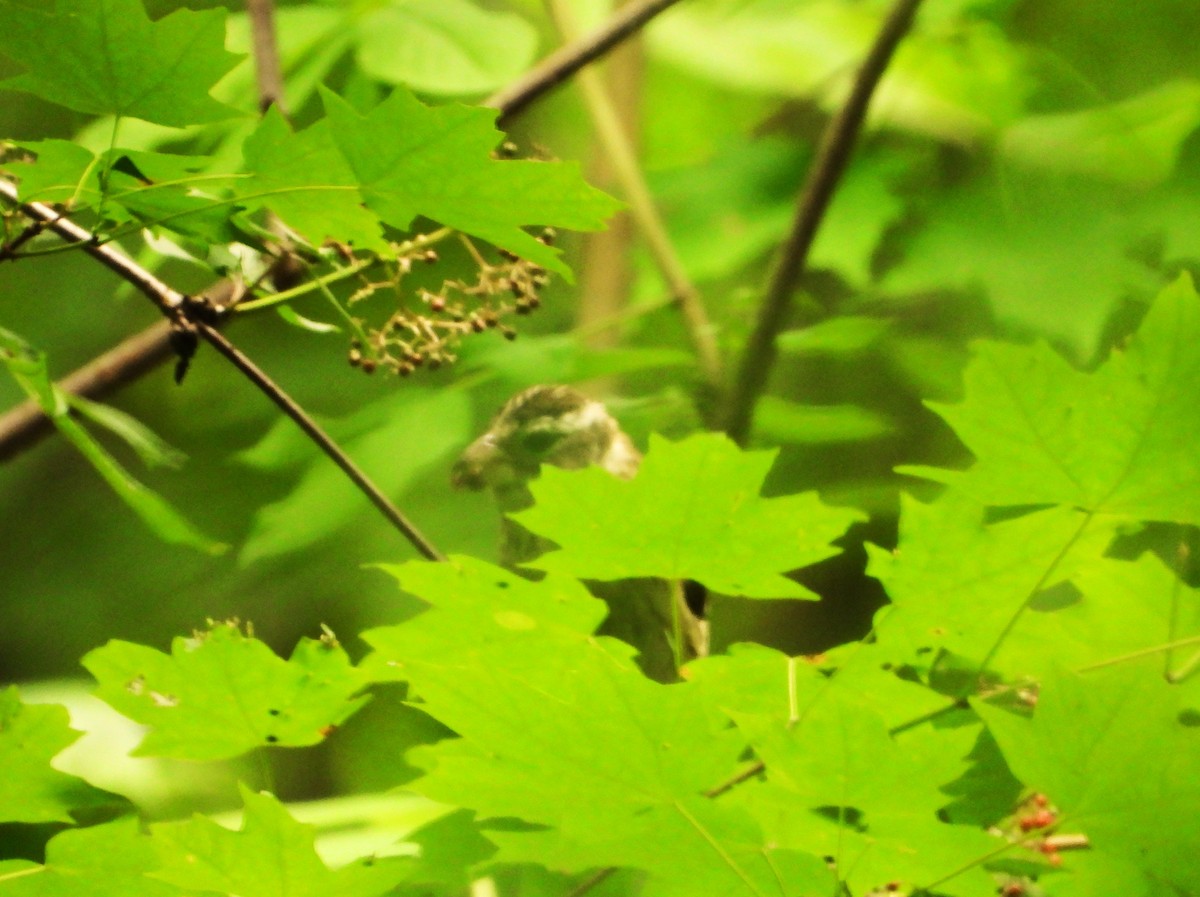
397 446
1113 754
28 367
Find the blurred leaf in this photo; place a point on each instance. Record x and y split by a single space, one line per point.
220 693
444 46
843 335
269 856
30 789
101 861
152 449
93 56
562 358
1136 141
1119 440
54 177
28 367
1110 751
1052 257
395 453
296 319
692 512
958 79
778 420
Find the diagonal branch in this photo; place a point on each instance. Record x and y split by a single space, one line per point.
24 425
566 61
833 154
175 306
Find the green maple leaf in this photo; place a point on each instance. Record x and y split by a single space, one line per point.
1119 756
692 512
110 860
106 57
410 159
221 693
1119 440
304 179
1122 608
992 571
30 789
558 728
272 855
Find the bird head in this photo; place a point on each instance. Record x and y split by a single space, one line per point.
554 425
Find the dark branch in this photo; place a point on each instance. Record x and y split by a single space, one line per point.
837 145
563 63
175 306
288 405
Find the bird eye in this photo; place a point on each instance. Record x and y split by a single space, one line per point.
539 442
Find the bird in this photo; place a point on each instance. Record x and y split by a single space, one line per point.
560 426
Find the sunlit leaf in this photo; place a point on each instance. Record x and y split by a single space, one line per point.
692 512
220 693
31 790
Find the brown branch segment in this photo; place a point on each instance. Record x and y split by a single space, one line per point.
566 61
833 154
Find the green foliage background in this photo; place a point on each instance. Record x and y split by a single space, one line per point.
999 302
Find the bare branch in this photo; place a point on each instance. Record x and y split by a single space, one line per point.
288 405
837 145
266 55
563 63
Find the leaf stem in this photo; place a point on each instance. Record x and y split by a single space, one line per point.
833 155
620 154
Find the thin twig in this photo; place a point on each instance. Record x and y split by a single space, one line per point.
169 301
267 72
174 305
837 144
563 63
620 154
288 405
